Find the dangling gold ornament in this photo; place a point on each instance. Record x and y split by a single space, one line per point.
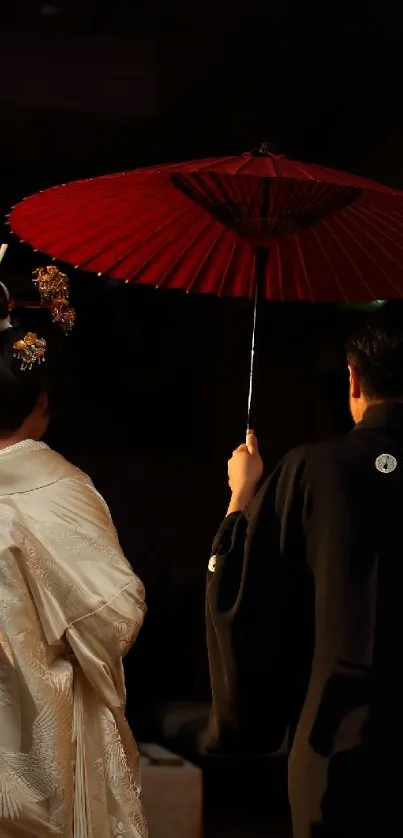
53 287
30 350
52 284
63 314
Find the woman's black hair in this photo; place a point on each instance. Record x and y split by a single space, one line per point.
19 389
4 302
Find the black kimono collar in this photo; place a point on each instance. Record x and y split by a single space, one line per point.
388 415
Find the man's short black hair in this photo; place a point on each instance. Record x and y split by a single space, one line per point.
375 350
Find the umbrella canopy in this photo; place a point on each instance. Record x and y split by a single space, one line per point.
219 225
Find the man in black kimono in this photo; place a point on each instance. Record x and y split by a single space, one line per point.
305 610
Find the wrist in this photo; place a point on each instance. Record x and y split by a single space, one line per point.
240 500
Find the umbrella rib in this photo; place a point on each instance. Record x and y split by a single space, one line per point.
206 258
188 247
123 256
377 222
303 266
349 259
229 187
299 168
358 181
226 195
58 217
246 195
252 280
366 211
377 227
160 250
145 240
207 164
227 269
198 190
151 235
245 162
280 273
163 247
361 246
315 233
249 203
396 217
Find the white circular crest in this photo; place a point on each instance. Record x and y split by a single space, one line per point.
386 463
212 564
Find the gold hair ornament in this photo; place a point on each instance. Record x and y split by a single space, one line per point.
53 287
51 283
30 350
63 315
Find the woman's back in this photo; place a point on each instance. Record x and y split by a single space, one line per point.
71 608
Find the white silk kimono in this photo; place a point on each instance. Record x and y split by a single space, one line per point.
70 608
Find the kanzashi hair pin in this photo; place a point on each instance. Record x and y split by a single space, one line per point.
30 350
51 283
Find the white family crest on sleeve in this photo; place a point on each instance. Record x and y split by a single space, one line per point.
212 564
386 463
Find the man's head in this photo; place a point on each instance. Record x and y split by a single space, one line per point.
375 361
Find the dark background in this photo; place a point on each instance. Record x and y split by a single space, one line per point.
155 398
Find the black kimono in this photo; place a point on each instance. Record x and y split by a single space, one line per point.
305 629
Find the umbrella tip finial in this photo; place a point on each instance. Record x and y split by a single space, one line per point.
265 150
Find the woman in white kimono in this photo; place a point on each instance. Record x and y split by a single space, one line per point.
70 608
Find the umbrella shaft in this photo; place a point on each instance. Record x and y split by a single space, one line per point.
262 256
252 363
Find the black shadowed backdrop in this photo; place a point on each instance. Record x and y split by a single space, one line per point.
155 396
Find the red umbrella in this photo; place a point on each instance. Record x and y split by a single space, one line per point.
257 226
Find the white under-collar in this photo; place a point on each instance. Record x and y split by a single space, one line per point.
24 445
5 324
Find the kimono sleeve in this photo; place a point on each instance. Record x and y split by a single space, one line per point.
259 616
85 591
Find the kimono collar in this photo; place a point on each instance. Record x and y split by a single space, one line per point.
31 465
387 416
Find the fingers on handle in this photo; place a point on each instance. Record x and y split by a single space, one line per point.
242 449
251 442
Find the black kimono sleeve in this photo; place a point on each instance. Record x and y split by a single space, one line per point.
260 616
